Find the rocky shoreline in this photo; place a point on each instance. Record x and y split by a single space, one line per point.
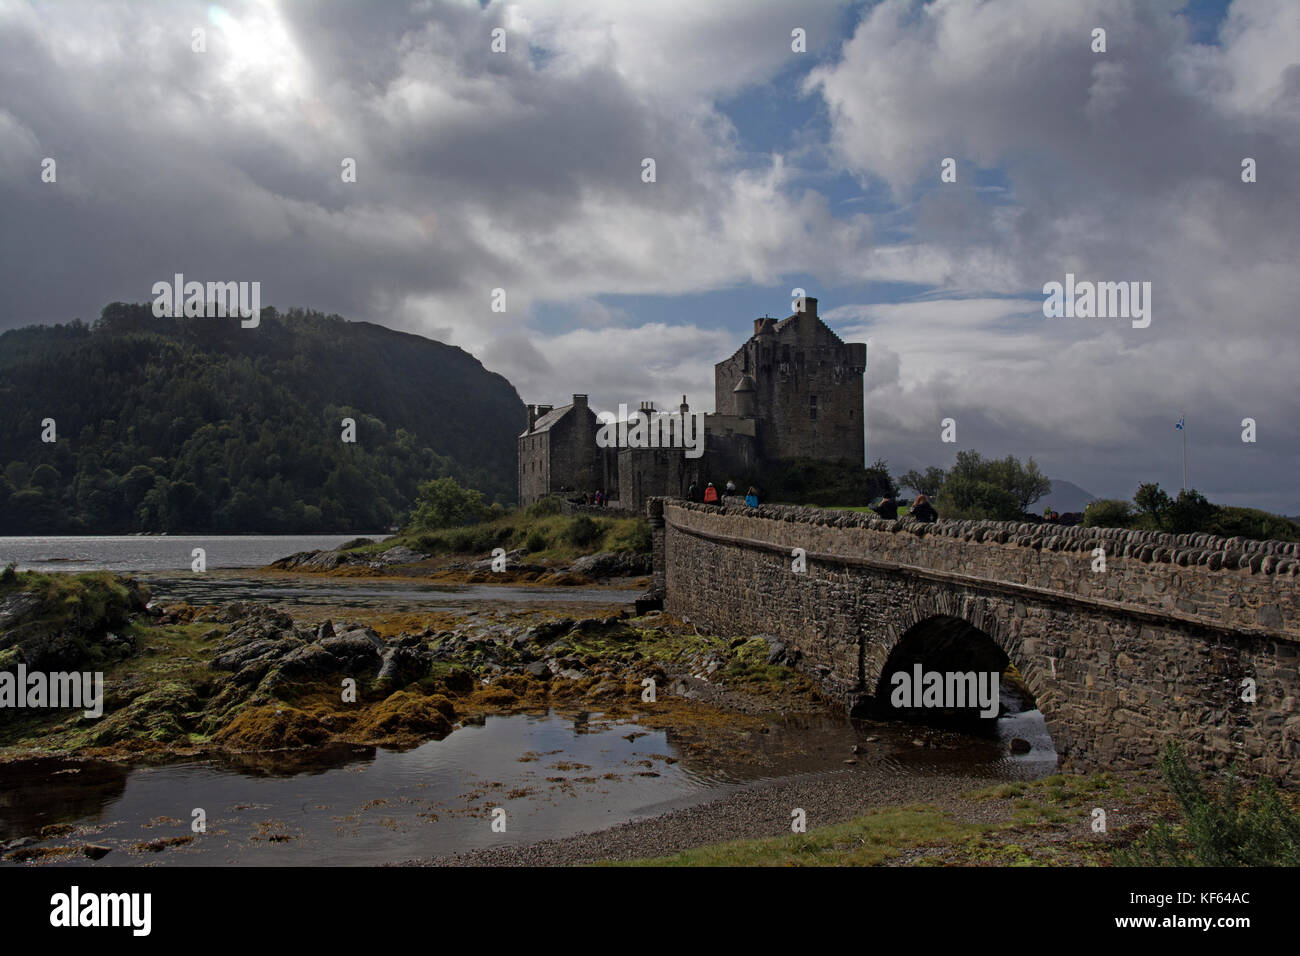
606 567
182 680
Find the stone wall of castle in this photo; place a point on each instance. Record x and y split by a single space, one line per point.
808 388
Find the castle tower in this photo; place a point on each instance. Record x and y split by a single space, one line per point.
804 391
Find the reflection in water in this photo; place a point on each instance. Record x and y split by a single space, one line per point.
365 805
37 793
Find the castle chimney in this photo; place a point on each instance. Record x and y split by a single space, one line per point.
580 401
685 409
532 416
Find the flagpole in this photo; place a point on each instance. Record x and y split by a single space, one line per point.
1183 419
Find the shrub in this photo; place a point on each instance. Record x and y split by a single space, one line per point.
1233 828
443 503
545 507
1232 522
1107 513
1190 512
630 534
964 498
536 541
582 531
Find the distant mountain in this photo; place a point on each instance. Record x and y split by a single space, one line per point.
1064 497
197 424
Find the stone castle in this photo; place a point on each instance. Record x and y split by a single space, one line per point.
793 390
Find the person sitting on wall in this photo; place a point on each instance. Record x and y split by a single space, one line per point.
731 487
922 510
710 494
751 497
693 492
887 508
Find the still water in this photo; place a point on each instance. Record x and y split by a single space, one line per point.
554 776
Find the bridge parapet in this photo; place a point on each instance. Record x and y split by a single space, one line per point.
1181 637
1231 583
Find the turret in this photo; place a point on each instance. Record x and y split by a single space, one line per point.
744 392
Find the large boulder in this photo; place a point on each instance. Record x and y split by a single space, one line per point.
613 564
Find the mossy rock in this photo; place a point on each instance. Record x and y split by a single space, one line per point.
406 714
272 727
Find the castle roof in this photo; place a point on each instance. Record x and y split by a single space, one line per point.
746 383
546 421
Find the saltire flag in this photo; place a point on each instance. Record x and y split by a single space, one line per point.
1180 424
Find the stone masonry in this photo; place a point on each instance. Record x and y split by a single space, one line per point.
1154 648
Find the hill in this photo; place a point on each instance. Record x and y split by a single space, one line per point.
1064 497
197 424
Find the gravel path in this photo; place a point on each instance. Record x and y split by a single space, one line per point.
760 810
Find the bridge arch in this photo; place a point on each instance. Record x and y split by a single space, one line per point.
946 644
1119 660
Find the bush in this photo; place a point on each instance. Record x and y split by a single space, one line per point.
545 508
630 534
963 498
1189 512
1234 828
582 531
536 541
1107 513
443 503
1232 522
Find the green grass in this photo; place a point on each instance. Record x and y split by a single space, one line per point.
869 840
545 536
882 836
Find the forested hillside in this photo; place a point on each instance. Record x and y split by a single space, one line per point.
197 424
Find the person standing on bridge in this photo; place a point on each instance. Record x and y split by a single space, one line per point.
887 508
710 494
922 510
751 497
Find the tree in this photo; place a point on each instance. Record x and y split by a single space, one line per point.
1152 501
1025 482
977 487
443 503
927 484
46 478
1190 512
1107 513
978 499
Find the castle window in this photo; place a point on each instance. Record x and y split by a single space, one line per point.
812 408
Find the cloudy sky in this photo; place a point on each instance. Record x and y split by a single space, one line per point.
775 169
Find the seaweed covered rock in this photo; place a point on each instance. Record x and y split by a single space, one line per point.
406 716
272 727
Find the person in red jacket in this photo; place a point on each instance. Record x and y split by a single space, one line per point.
710 494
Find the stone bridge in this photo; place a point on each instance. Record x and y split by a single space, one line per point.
1163 644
